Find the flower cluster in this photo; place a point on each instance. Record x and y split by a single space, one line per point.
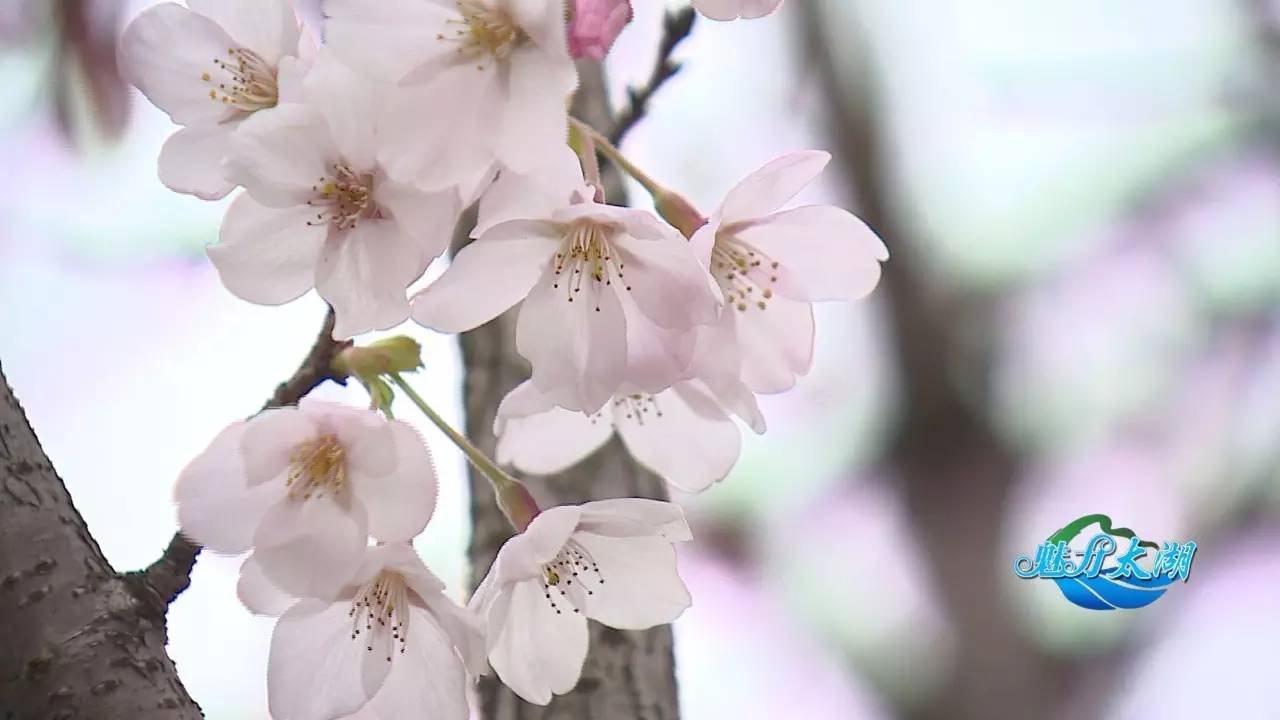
354 158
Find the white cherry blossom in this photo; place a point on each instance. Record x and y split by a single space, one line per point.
682 434
734 9
210 66
304 487
319 209
609 293
612 561
481 81
772 264
390 644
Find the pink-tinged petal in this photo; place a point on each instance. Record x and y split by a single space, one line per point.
535 115
664 277
350 104
487 277
683 435
828 253
549 441
776 344
428 218
364 273
266 255
576 342
462 628
259 594
725 10
216 506
524 401
627 517
537 650
400 503
657 357
316 669
191 161
536 194
595 25
166 52
312 547
368 444
270 440
735 397
387 39
267 27
524 554
766 190
428 675
543 22
438 150
641 586
281 156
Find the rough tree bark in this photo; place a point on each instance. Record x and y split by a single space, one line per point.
77 639
627 674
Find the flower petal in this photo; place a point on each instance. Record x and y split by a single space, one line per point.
535 650
311 547
166 52
387 38
547 442
400 503
216 506
316 669
429 218
523 555
487 277
828 252
191 161
259 594
686 438
280 156
364 273
535 115
664 276
267 27
770 187
776 344
641 587
626 517
265 255
270 439
428 675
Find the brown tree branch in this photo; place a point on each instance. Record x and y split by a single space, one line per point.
676 26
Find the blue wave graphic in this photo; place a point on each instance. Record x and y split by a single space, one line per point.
1103 593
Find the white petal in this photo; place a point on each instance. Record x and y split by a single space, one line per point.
828 252
626 517
685 437
487 277
550 441
268 27
166 52
536 194
364 273
463 630
259 594
266 255
270 439
770 187
400 503
387 38
316 670
350 105
216 506
776 344
537 651
311 548
280 156
576 342
535 115
191 161
657 357
366 437
426 679
429 218
666 280
641 587
734 396
523 555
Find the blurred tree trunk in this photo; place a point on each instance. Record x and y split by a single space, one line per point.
628 675
77 639
952 469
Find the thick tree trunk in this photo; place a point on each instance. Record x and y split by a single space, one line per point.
628 675
77 639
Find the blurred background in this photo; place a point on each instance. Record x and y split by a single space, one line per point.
1082 314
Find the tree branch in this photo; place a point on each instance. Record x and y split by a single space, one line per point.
676 26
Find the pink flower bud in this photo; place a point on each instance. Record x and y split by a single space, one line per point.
595 25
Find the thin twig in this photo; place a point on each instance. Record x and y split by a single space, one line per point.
676 26
163 580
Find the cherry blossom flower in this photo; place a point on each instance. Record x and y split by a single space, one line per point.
480 80
682 434
772 264
210 67
734 9
612 561
320 211
595 25
609 294
389 645
304 487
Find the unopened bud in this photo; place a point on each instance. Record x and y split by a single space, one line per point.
392 355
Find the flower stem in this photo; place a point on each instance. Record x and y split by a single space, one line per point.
513 498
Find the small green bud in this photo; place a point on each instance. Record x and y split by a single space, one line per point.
368 363
380 394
